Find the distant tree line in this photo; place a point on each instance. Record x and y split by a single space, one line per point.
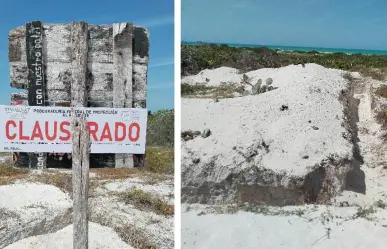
197 57
160 131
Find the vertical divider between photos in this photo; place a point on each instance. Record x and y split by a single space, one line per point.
80 134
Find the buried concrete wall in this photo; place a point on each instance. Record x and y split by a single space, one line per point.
117 65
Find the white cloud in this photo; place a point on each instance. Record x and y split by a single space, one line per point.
161 62
157 21
161 86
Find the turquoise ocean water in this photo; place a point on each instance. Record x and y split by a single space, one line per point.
291 48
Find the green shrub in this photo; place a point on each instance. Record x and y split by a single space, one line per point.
195 58
160 130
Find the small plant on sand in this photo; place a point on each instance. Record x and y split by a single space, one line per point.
365 212
246 80
128 232
380 204
62 181
348 76
9 174
256 88
382 91
187 89
269 81
146 201
263 89
381 117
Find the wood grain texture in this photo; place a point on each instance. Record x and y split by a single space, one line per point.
122 77
80 179
80 135
79 48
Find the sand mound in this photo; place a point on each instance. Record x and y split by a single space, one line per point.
214 77
293 144
99 237
31 208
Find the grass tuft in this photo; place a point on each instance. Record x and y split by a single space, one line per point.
62 181
146 201
9 174
382 91
211 92
363 212
160 160
380 204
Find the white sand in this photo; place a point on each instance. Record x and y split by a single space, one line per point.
30 209
249 230
239 126
24 195
161 189
311 94
214 77
100 237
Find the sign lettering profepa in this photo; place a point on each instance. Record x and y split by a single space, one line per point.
48 129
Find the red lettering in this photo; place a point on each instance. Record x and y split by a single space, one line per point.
116 137
131 126
93 132
106 134
65 131
7 124
37 132
21 136
51 138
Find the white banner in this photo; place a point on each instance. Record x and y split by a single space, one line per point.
48 129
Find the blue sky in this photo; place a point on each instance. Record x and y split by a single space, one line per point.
156 15
352 24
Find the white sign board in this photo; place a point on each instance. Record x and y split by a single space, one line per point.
48 129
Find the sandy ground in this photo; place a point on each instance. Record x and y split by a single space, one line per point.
39 216
319 227
100 237
243 120
214 77
283 133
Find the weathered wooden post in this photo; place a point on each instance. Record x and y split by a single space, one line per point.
80 134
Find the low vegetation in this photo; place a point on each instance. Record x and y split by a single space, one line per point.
63 181
160 130
382 91
365 212
160 160
201 91
129 233
146 201
9 174
135 237
195 58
